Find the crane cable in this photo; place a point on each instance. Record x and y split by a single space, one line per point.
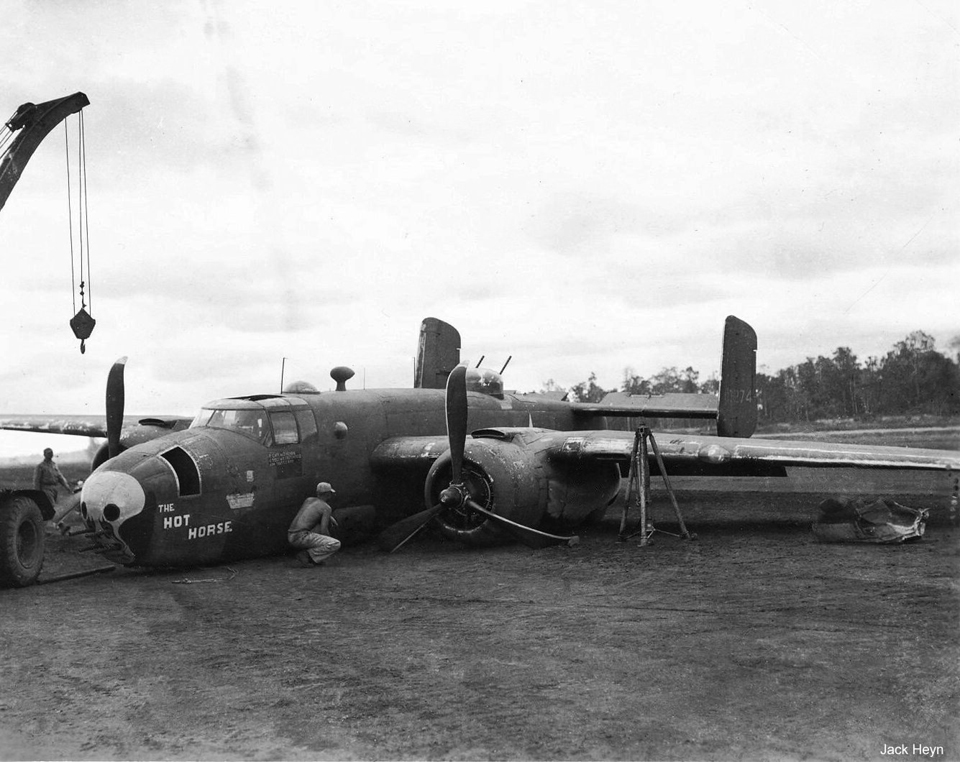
73 279
6 135
82 322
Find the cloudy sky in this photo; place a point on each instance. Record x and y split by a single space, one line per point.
584 186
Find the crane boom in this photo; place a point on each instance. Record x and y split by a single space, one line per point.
34 121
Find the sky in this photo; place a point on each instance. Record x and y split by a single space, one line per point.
586 188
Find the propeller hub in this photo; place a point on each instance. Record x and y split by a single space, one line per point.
453 496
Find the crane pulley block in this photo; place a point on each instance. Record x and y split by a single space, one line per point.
82 324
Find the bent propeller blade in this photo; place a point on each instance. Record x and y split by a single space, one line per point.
395 535
529 536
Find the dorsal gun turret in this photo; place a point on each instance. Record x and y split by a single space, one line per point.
485 381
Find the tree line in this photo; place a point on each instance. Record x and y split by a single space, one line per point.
912 378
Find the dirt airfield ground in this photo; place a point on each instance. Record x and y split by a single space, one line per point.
751 642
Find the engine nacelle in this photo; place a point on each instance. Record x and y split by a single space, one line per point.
101 457
509 472
144 431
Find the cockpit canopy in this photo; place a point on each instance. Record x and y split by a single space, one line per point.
268 420
251 423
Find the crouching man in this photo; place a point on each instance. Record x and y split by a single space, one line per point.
314 514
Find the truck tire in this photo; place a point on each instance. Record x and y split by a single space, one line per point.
21 542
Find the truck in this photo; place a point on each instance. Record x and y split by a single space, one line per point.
23 515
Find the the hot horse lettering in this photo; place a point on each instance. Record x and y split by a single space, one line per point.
194 533
209 530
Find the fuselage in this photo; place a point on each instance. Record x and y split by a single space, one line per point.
228 486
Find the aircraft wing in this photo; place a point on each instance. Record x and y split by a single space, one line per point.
720 454
687 454
409 452
674 405
80 425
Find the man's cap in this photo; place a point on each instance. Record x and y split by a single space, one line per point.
325 487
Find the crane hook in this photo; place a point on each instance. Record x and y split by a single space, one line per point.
82 325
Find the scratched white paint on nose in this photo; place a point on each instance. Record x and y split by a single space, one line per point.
112 496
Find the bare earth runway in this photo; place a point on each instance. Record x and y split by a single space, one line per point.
752 642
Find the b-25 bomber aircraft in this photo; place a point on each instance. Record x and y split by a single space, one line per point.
481 464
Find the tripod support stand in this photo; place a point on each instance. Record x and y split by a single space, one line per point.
638 488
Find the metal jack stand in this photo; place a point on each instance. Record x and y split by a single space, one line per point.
638 489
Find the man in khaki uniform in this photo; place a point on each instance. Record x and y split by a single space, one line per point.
315 513
47 477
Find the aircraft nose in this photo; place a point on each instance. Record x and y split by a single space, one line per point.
111 496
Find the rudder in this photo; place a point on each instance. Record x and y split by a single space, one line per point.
737 413
437 354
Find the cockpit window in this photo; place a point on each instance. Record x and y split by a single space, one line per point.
250 423
202 417
284 428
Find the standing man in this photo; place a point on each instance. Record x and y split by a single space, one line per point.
315 513
47 477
